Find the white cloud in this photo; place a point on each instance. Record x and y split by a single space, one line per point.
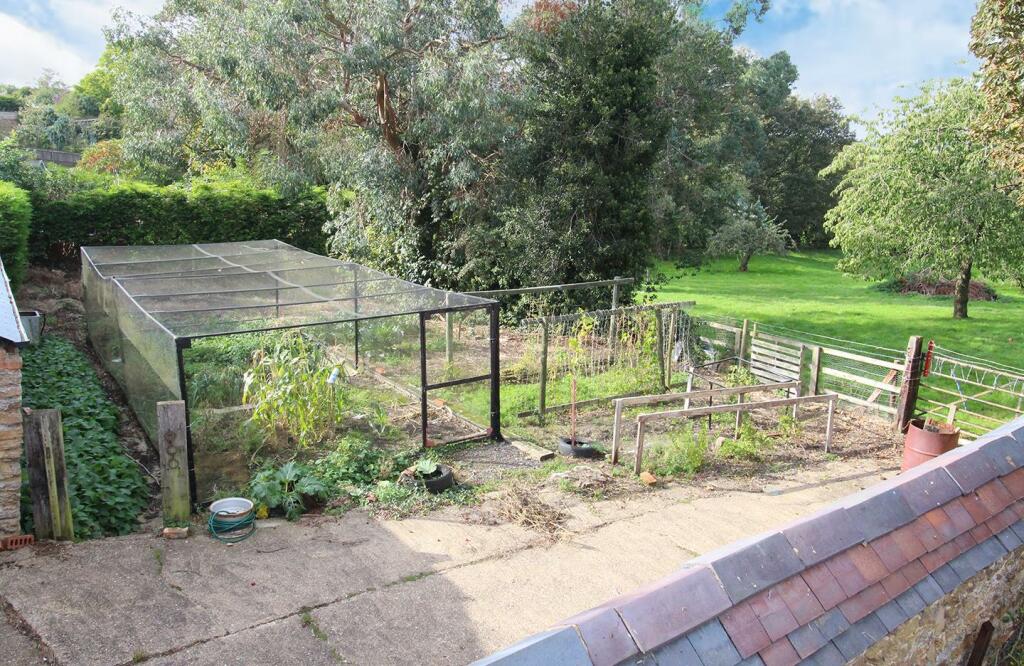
26 51
63 35
865 52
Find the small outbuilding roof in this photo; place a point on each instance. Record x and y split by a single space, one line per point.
11 329
200 290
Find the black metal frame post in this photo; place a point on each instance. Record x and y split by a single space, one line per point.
355 324
423 377
495 335
180 345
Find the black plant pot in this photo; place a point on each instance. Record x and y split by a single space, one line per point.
578 448
439 481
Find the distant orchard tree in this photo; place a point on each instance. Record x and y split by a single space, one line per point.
750 231
920 193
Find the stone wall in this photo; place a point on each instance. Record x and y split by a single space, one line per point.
944 633
10 439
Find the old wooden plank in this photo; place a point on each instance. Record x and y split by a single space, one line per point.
44 453
890 377
746 407
815 372
172 440
849 376
532 450
892 365
863 403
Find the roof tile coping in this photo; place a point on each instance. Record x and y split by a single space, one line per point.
705 587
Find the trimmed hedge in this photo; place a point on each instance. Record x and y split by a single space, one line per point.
15 216
136 213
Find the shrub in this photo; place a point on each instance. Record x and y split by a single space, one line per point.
107 489
748 446
15 214
136 213
356 461
686 454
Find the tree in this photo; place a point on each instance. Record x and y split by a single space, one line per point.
593 132
919 193
802 137
748 232
399 105
997 38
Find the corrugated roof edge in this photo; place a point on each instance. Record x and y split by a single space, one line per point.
11 329
938 525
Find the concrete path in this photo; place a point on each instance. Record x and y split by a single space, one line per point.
434 590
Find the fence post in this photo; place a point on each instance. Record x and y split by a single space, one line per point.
48 480
911 383
815 377
543 368
616 431
173 444
661 348
741 348
612 328
671 349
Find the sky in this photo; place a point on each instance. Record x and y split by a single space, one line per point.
863 52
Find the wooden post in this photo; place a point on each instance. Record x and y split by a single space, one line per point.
542 407
638 464
616 429
172 441
689 387
828 424
741 352
612 323
661 349
48 479
815 376
739 415
671 349
912 368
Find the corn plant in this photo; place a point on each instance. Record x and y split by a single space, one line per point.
294 387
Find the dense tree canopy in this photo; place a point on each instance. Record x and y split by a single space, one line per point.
919 193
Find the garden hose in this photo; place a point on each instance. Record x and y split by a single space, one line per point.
231 531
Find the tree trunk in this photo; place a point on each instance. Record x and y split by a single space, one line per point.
962 290
745 261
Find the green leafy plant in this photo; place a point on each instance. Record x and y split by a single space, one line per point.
289 389
789 426
685 454
356 461
286 488
740 376
750 445
425 468
107 487
15 215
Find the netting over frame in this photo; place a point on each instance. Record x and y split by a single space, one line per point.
143 301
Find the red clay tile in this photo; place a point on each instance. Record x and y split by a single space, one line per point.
941 523
781 653
605 637
926 532
981 532
745 629
914 572
864 603
774 614
889 552
846 573
1018 508
800 600
1014 482
896 584
959 516
965 542
979 512
868 563
1002 520
824 585
995 496
939 556
908 543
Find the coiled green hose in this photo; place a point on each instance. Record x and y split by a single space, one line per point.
233 530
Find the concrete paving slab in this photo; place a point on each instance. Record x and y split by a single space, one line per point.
17 649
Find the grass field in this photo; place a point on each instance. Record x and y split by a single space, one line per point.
805 291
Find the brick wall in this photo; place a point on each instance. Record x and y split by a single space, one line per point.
10 439
904 572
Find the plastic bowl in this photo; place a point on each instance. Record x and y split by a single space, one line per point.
231 508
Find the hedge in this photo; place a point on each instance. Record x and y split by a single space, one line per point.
136 213
15 216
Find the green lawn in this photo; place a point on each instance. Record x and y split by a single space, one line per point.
805 291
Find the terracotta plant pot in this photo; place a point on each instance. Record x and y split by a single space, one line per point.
921 445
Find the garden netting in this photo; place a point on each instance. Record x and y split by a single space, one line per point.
194 321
